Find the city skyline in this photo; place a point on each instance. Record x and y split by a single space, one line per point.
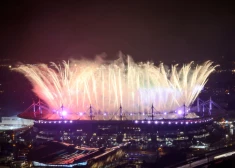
117 83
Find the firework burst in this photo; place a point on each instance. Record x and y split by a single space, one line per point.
77 84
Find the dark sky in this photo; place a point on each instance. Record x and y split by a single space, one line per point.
177 30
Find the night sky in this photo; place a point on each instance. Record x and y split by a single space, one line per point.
179 30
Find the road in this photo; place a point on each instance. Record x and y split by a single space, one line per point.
208 159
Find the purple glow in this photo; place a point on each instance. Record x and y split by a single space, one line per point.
64 113
179 111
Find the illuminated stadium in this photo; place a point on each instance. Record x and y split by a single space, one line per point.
103 103
114 90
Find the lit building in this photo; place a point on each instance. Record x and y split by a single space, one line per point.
12 123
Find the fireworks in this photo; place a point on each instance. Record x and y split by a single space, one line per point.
105 86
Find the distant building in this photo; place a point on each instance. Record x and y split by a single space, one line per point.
14 122
58 154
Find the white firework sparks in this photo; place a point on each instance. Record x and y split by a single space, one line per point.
77 84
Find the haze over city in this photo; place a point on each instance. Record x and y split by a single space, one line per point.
146 30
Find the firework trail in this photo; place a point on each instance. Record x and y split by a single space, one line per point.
77 84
